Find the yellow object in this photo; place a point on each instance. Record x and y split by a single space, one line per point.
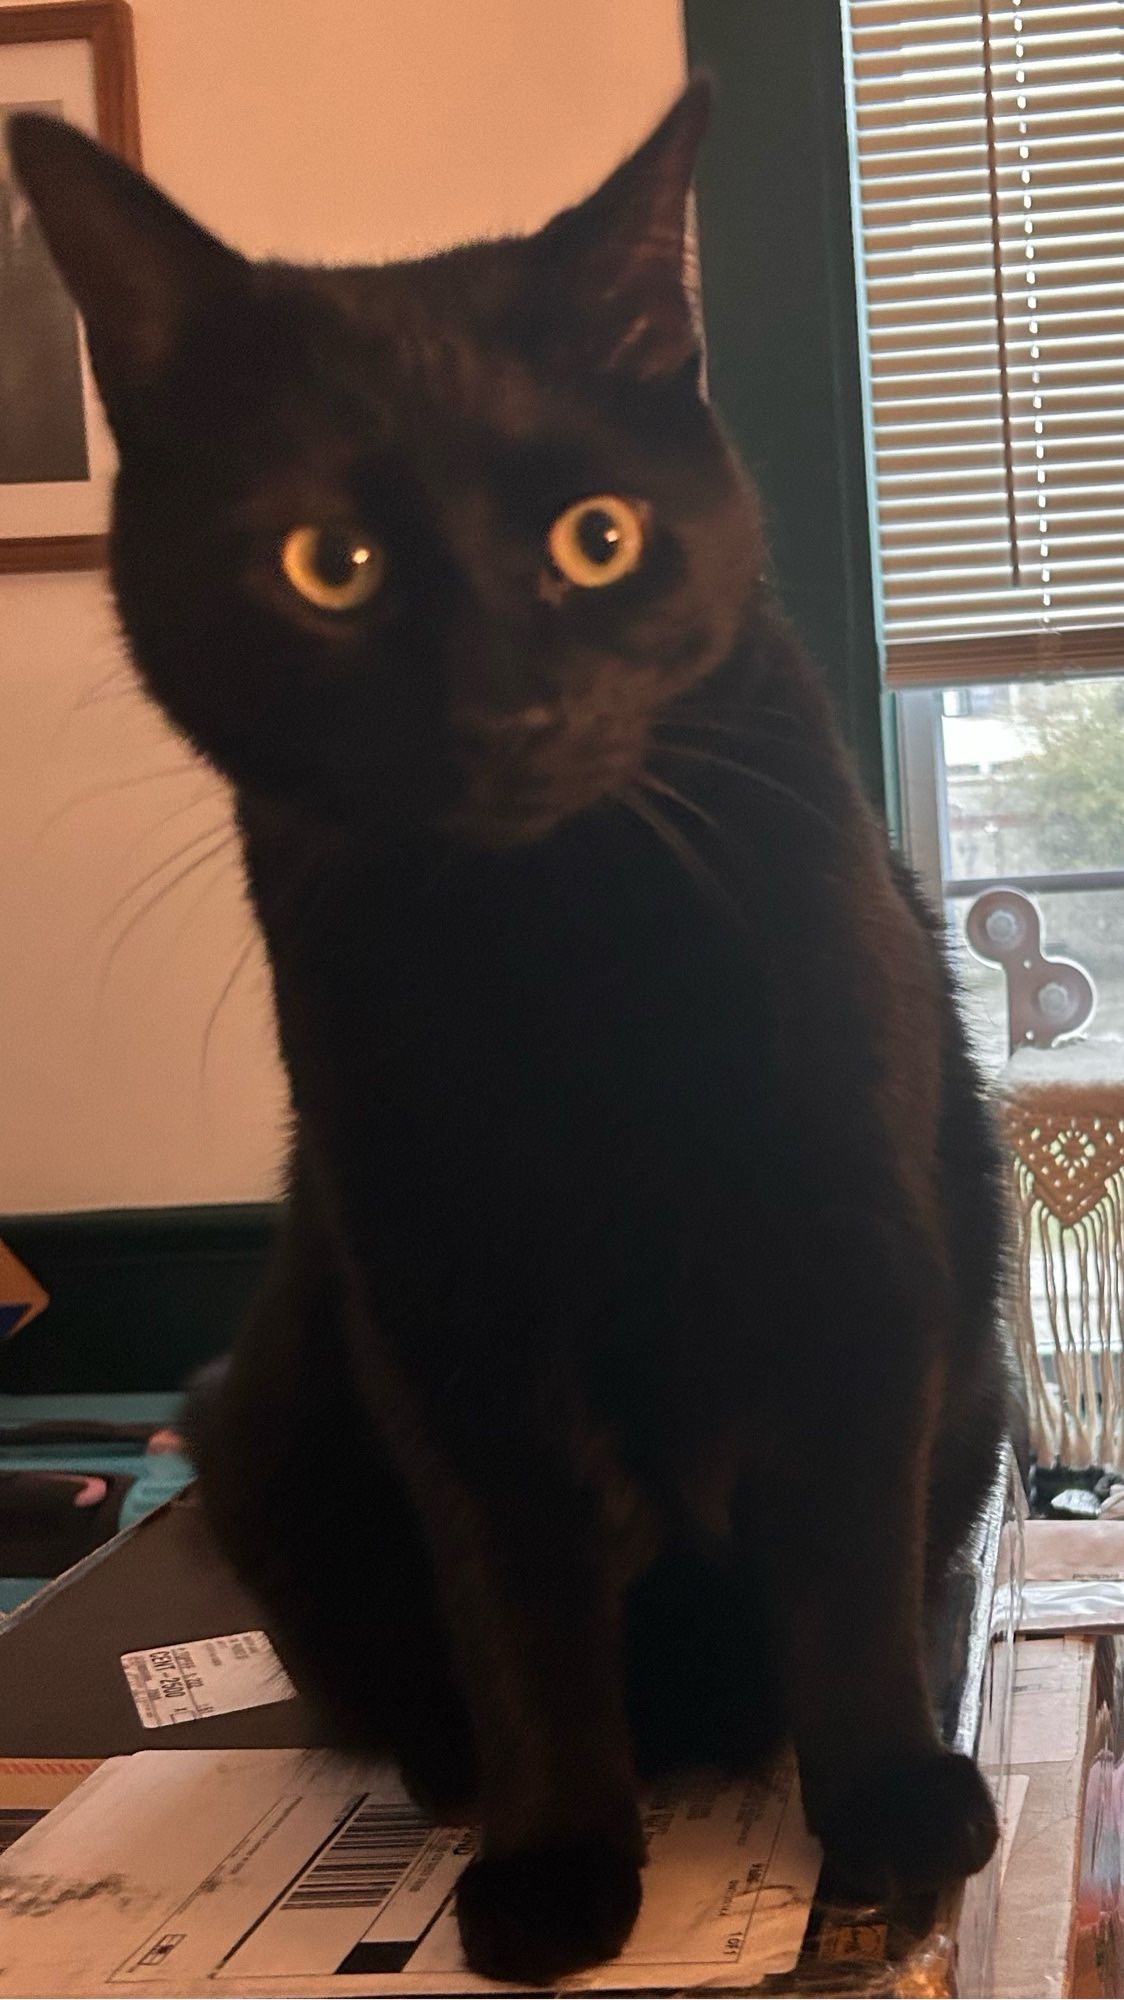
22 1297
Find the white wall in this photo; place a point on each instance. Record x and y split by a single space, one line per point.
332 129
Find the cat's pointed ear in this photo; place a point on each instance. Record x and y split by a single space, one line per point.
134 264
619 259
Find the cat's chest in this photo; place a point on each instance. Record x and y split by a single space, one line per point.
594 1024
584 1036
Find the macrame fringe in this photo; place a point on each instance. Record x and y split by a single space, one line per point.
1079 1312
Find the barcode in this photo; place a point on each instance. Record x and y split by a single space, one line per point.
364 1862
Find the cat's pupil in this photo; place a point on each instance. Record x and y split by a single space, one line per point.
598 535
336 554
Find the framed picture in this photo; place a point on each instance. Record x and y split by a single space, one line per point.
56 455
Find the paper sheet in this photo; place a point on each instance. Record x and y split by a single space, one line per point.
1058 1551
31 1787
286 1872
1049 1706
185 1682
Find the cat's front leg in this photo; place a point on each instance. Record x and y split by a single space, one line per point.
304 1504
556 1886
531 1603
896 1811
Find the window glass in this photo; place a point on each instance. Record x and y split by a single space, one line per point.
1033 778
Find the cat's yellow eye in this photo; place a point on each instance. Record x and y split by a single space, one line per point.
597 541
336 569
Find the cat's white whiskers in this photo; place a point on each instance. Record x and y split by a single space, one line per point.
102 690
121 681
747 733
209 792
752 776
208 889
219 848
229 985
222 835
689 860
650 783
93 792
159 868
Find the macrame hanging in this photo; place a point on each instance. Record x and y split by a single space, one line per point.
1062 1114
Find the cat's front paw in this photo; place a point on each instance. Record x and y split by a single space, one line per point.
535 1916
907 1824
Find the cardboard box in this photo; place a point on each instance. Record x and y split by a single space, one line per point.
1052 1738
181 1872
1060 1927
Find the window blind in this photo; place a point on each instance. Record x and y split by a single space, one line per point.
990 156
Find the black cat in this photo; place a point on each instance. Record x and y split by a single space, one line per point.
627 1372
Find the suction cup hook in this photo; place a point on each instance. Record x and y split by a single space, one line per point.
1047 998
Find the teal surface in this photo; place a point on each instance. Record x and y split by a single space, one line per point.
156 1476
140 1298
15 1590
103 1456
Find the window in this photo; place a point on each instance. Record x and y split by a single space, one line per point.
988 140
991 169
1027 782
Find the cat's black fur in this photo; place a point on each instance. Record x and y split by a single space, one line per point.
627 1370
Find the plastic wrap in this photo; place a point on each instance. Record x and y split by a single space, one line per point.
941 1946
1097 1957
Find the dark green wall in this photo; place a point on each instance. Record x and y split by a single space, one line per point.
782 323
140 1298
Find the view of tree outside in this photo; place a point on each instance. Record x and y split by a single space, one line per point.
1035 783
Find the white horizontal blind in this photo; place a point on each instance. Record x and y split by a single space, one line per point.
991 173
